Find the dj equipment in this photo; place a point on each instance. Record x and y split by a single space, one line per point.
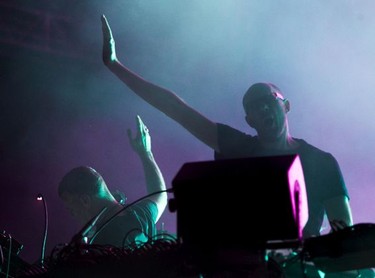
7 242
351 248
237 205
11 265
229 212
157 258
345 250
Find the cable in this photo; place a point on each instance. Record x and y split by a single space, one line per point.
124 208
77 238
2 259
9 255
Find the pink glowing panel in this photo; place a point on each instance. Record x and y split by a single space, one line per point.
298 195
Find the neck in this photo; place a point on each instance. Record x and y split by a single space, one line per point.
282 143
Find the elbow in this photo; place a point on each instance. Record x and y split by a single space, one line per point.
161 201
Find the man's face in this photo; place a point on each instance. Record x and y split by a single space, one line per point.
78 206
266 113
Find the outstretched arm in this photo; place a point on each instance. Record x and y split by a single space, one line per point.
141 144
339 212
163 99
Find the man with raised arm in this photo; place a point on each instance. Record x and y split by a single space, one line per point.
86 195
265 111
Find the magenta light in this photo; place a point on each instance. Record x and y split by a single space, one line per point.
298 194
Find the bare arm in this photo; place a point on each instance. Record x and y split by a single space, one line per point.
163 99
141 144
339 212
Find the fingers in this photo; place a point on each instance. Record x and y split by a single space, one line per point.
107 32
106 29
109 47
142 130
338 225
141 126
141 143
103 18
104 21
139 121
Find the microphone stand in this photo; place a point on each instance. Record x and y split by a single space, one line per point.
41 198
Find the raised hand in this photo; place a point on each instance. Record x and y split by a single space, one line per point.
141 143
109 47
337 225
